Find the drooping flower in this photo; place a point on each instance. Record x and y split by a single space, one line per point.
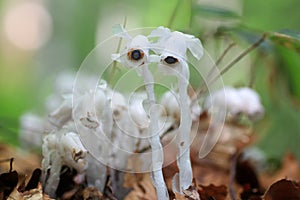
172 48
136 54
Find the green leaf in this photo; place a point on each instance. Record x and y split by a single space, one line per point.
289 39
289 66
9 130
215 12
282 136
155 15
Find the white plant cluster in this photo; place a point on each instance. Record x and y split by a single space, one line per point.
237 102
56 133
120 123
101 111
170 54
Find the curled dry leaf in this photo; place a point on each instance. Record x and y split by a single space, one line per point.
34 180
212 192
66 182
8 182
283 189
33 194
290 169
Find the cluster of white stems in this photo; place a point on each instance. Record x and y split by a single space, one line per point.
123 127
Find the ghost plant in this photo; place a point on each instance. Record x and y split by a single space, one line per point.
238 101
32 129
61 148
136 55
58 137
173 47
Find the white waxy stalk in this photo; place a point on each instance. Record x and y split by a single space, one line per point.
95 173
122 144
157 153
73 151
184 162
170 102
62 114
51 164
137 56
61 148
137 112
173 47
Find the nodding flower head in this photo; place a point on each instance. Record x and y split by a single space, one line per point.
136 51
173 47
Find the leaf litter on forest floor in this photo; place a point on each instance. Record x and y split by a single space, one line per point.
212 179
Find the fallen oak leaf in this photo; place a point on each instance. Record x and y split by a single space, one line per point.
66 181
283 189
33 194
212 192
8 182
289 170
34 180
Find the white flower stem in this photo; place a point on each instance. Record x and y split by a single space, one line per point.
157 152
52 183
183 158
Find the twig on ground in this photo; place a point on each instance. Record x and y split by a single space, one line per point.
232 176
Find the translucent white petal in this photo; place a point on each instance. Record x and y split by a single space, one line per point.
119 31
195 46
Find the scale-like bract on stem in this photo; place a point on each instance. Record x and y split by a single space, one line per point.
172 47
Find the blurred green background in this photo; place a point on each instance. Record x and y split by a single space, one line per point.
41 39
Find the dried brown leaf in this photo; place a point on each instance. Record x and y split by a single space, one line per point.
143 190
34 180
290 170
33 194
8 182
24 162
283 189
92 193
212 192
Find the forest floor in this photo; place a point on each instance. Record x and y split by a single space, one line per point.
220 176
